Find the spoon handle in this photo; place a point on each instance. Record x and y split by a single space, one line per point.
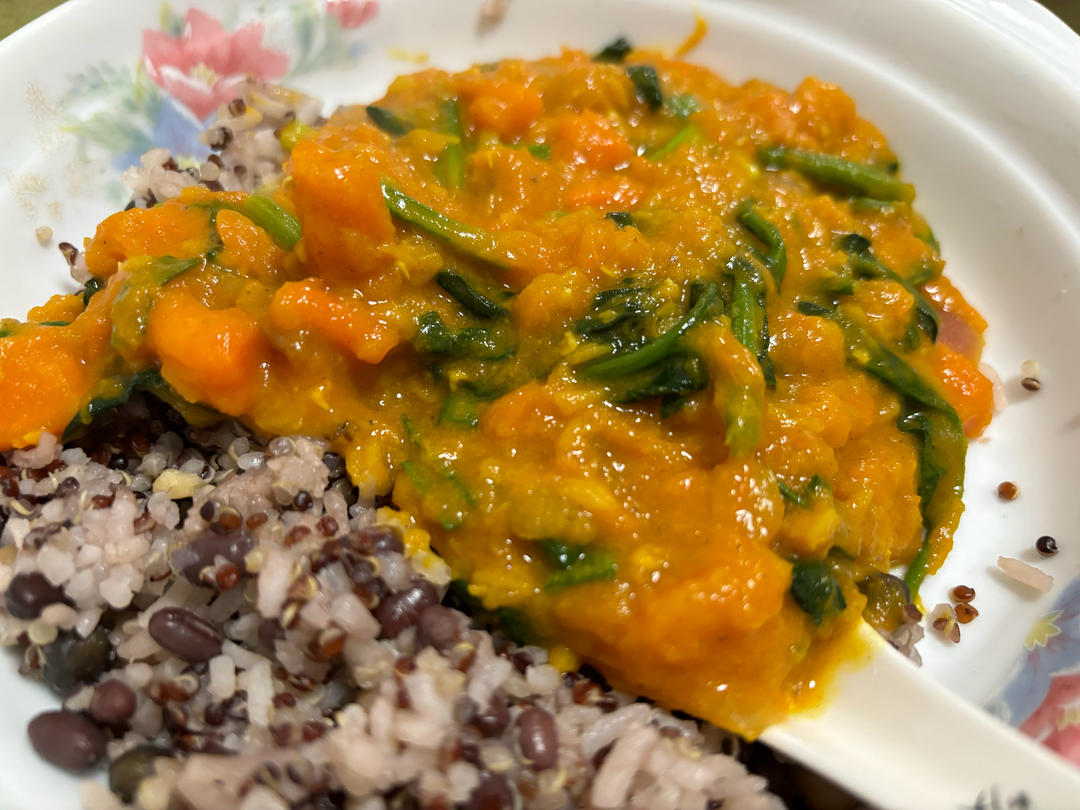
899 740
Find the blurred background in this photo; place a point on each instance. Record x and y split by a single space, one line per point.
16 13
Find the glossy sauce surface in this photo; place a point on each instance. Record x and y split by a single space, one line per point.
702 528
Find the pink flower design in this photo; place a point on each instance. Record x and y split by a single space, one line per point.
352 13
1051 723
205 65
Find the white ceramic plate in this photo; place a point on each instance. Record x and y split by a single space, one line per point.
981 101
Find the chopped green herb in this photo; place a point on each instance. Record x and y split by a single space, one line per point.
432 335
829 170
450 165
640 358
90 287
815 486
461 408
281 226
685 135
647 85
815 589
510 620
775 257
624 219
922 273
942 446
614 51
683 105
114 391
474 241
617 316
446 498
813 308
671 379
541 151
386 120
576 564
132 304
475 302
54 323
482 343
749 321
742 418
865 264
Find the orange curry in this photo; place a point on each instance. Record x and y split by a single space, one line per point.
664 365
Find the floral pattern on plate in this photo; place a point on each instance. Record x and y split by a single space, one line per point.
1042 698
192 64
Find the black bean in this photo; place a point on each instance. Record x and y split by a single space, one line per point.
113 702
185 635
131 767
360 569
441 627
1046 546
67 739
327 800
206 548
335 464
270 630
492 721
68 486
29 593
71 659
401 610
215 713
538 738
493 793
372 539
521 660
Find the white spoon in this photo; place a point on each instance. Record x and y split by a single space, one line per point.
899 740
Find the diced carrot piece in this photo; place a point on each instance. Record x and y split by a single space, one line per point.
170 229
349 193
591 139
47 372
506 107
208 355
966 388
42 384
341 209
305 305
246 247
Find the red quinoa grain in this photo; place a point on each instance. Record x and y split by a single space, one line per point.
1008 491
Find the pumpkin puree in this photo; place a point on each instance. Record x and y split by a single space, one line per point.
706 527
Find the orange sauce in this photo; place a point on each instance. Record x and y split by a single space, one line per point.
655 536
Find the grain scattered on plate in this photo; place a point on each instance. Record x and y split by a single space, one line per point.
1025 574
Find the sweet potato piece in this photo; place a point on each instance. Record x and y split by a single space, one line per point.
208 355
306 305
